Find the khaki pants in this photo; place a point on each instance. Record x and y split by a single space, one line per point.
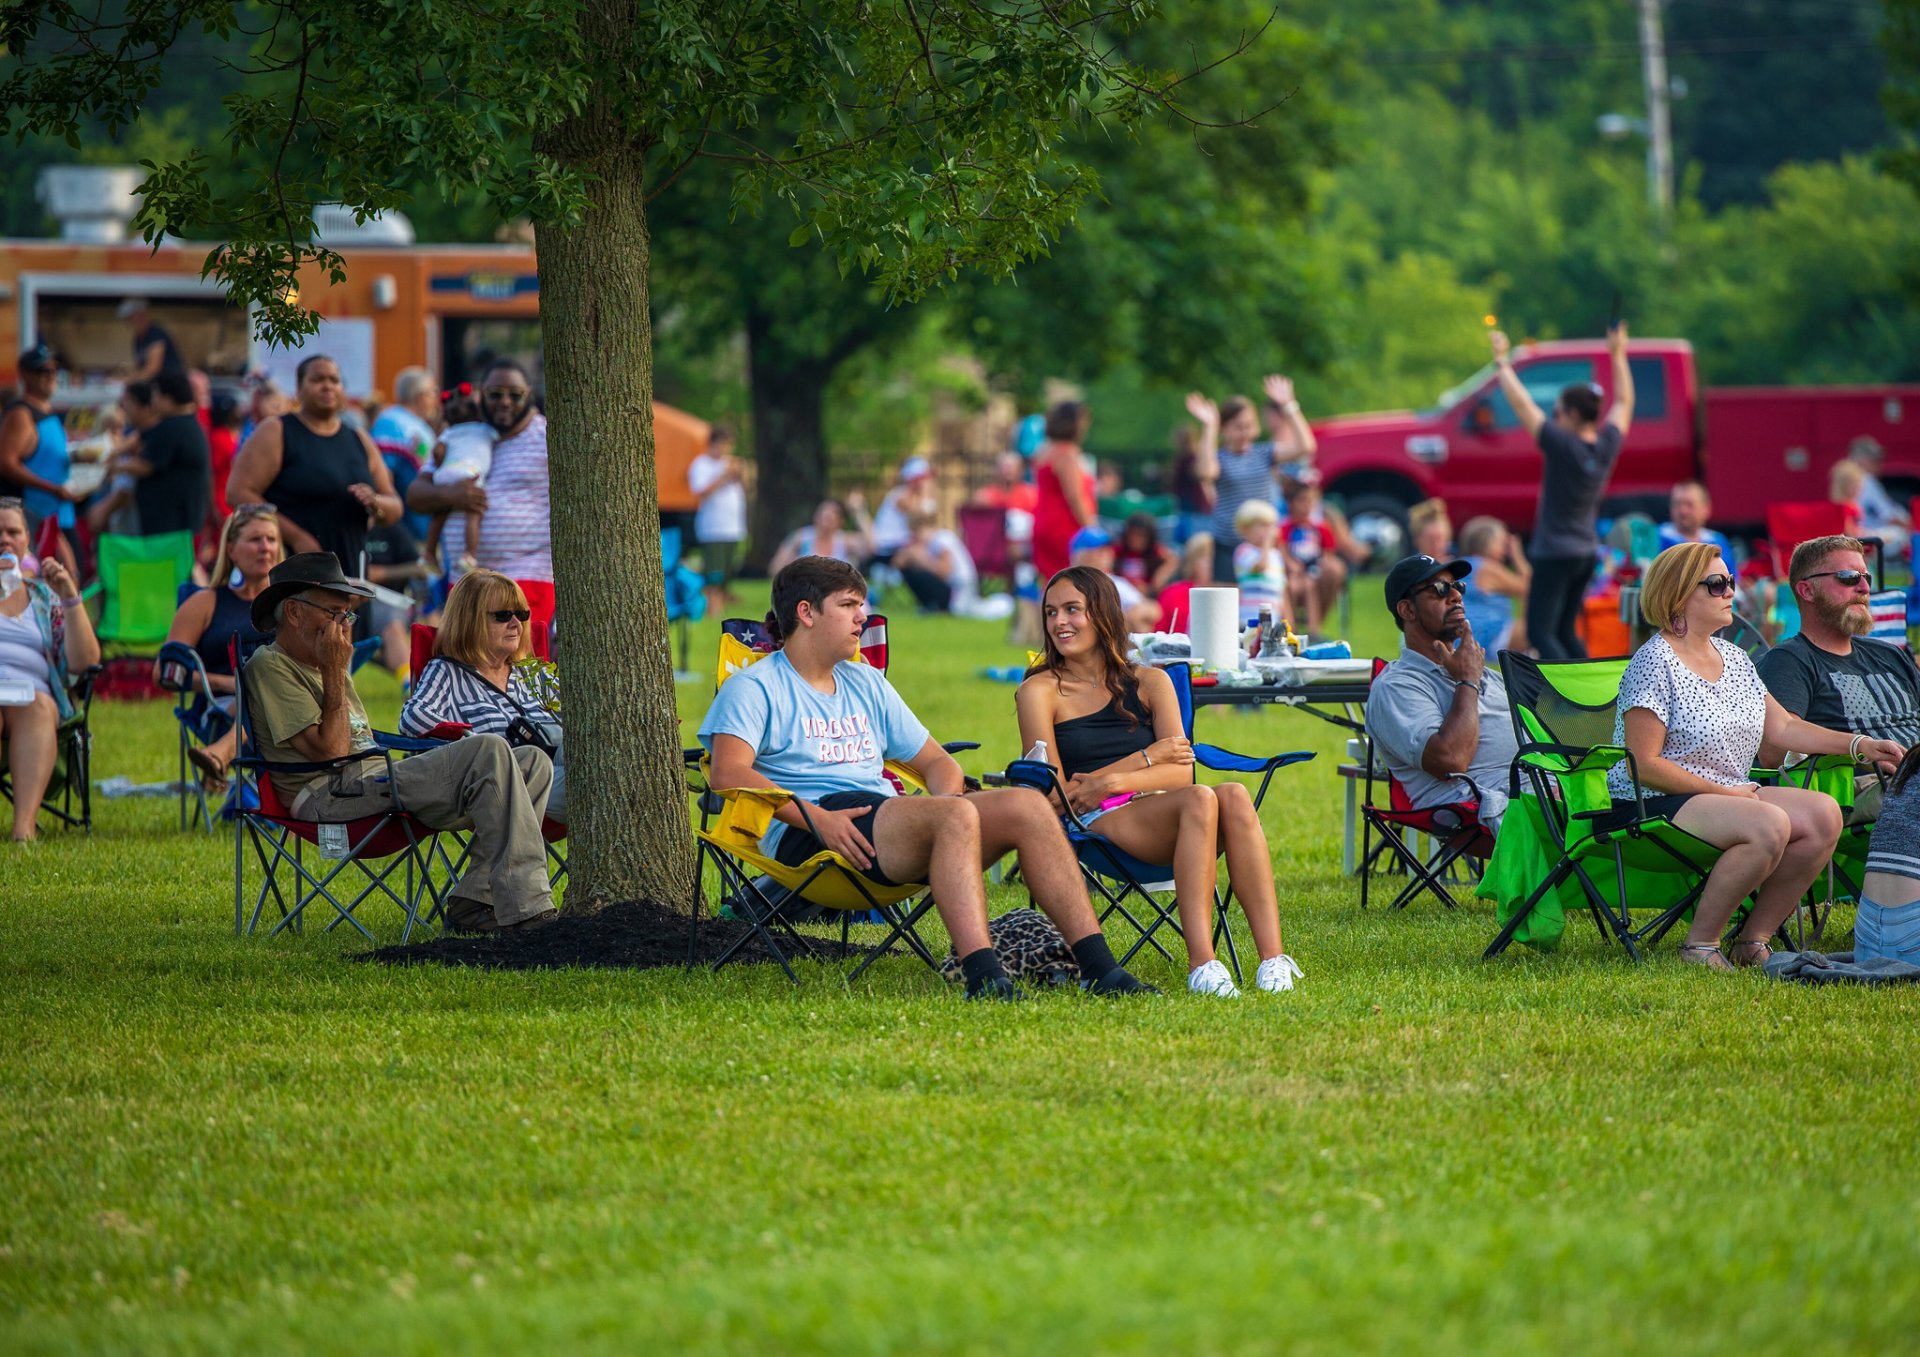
480 783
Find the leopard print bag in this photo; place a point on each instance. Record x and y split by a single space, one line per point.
1029 947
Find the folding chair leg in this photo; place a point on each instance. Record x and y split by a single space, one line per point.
1525 912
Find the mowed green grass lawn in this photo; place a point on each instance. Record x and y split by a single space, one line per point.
220 1144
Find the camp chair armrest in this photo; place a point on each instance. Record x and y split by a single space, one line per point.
1041 777
397 743
960 746
692 757
1213 757
255 763
746 812
1562 759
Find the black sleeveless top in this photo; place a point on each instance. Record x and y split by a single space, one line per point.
311 489
232 616
1103 737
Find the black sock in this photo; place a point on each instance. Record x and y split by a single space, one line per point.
1095 957
980 967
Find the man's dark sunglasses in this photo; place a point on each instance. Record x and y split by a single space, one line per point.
1718 585
1849 579
514 394
1441 588
510 614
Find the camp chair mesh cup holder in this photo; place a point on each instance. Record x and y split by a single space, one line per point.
277 840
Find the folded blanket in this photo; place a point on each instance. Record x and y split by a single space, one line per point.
1839 968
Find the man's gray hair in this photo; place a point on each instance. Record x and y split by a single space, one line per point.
410 382
280 608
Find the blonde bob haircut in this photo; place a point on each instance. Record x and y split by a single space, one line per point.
464 628
1671 579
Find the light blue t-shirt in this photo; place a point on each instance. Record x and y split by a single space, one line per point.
1669 536
813 743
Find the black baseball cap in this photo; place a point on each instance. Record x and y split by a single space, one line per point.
39 358
1410 572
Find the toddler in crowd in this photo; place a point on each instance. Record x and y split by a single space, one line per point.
1259 568
1306 541
463 453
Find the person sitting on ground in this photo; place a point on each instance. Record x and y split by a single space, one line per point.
474 679
914 492
45 638
1312 555
304 709
1688 508
1430 529
1887 924
1259 568
826 535
1830 673
1093 547
938 568
1693 713
1438 716
212 618
1196 572
811 720
1140 559
1880 515
1500 575
1118 744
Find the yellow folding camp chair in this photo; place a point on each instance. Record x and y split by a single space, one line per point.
757 886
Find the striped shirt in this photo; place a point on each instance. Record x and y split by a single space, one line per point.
1895 846
448 692
516 532
1243 476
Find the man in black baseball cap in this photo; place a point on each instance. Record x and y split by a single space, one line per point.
305 711
1438 715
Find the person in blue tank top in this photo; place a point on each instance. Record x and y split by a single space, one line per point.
34 461
1500 575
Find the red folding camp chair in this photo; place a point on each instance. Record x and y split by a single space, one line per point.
983 532
1790 524
1455 829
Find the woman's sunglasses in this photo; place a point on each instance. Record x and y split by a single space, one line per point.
510 614
1718 585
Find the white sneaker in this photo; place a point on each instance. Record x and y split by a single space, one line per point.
1277 974
1213 978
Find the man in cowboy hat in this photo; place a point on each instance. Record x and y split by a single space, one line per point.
305 710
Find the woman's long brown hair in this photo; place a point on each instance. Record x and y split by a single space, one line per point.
1109 632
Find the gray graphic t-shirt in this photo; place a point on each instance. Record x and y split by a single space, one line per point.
1875 691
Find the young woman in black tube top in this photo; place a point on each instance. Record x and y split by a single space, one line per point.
1113 731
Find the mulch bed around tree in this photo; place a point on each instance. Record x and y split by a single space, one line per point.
633 935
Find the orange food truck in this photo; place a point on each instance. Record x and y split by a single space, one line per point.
447 308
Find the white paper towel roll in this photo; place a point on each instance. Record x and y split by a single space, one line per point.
1215 627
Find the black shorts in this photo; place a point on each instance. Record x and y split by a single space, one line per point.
796 845
719 559
1664 805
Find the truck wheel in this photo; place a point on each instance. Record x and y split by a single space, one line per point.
1380 522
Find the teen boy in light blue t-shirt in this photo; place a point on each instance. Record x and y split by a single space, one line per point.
820 725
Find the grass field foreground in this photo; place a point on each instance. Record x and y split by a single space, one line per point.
211 1144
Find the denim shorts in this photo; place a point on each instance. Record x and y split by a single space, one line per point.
1883 931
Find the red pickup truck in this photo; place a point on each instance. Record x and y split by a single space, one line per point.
1751 445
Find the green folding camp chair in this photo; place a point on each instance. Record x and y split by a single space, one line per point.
1563 716
140 578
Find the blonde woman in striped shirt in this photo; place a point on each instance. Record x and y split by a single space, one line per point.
472 680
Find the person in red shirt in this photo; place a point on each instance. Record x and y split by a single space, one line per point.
1313 554
1066 500
1196 572
1139 558
1010 488
223 442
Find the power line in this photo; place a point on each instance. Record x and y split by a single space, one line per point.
1749 45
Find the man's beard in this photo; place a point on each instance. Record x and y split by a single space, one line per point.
1841 617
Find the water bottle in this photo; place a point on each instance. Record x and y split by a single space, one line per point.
1037 754
10 576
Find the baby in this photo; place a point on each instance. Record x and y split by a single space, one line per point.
464 453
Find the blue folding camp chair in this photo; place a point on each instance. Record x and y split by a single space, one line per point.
1116 876
686 592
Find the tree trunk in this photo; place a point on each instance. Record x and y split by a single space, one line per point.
627 801
789 437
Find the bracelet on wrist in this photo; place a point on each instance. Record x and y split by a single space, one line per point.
1853 747
73 602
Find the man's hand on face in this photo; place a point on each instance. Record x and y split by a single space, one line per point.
334 645
1466 662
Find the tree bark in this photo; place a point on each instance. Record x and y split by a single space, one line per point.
627 802
789 437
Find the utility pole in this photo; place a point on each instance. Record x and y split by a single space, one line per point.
1653 67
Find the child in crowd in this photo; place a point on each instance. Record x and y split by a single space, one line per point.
1309 545
464 453
1888 924
1500 575
1139 558
1430 528
1258 566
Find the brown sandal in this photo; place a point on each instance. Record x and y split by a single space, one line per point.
1765 953
211 768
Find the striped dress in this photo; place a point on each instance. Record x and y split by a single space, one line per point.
449 692
1880 931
